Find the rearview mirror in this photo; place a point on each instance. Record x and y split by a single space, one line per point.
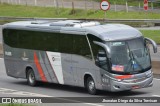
107 49
153 44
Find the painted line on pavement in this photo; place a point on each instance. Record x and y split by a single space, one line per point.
24 93
156 78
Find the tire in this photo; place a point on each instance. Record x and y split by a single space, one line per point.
91 86
31 78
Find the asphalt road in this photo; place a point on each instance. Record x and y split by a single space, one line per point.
11 87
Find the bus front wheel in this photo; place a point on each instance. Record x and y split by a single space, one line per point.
91 86
31 78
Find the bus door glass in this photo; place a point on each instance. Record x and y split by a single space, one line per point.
102 61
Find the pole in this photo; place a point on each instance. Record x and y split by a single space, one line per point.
139 5
152 5
93 5
85 5
126 7
35 2
115 6
55 3
26 2
73 11
57 7
104 15
62 4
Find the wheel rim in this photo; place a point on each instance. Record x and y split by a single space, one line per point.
91 85
31 78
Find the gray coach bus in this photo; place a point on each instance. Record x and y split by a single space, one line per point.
111 57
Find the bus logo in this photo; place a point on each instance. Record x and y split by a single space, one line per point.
6 100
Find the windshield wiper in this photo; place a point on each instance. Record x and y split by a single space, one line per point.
131 56
133 59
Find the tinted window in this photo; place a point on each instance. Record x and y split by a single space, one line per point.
80 46
66 43
10 37
95 48
101 59
56 42
31 40
24 40
99 53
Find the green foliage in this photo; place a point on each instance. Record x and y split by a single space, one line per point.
50 12
153 34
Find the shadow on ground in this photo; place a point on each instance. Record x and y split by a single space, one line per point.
52 86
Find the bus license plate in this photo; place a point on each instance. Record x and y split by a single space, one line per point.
135 87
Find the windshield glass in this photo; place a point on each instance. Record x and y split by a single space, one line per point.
129 56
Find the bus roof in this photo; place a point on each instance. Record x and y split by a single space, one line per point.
106 32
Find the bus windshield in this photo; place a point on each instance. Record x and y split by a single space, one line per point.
129 56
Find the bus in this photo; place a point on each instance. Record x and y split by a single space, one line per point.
109 57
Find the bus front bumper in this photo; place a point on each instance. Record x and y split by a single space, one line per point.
117 86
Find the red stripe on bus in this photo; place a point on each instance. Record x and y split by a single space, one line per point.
40 70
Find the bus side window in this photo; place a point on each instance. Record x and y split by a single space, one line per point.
66 43
101 58
99 53
25 39
10 37
94 47
51 42
80 46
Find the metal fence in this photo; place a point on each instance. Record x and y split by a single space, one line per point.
124 5
55 3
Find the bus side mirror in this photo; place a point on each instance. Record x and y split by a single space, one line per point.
153 44
97 62
107 49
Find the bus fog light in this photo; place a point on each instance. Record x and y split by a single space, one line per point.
116 86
